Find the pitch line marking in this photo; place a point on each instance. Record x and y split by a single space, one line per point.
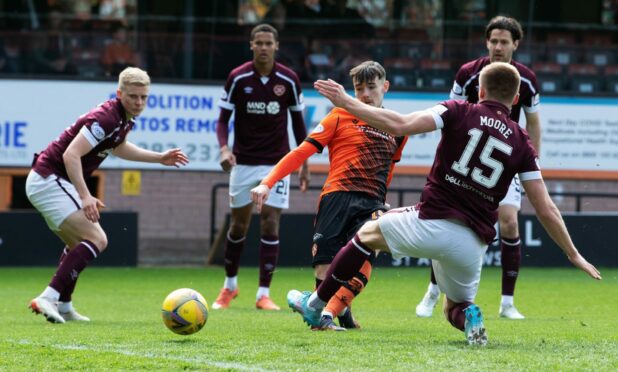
106 348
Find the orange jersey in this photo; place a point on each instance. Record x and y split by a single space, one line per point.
361 157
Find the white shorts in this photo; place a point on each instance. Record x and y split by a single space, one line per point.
456 251
245 177
54 197
513 196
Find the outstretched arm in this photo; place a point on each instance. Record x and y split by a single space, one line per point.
171 157
285 166
551 219
386 120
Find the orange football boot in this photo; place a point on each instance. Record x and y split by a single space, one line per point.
265 303
225 297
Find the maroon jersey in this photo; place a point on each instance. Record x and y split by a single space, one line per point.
105 127
260 106
466 86
479 153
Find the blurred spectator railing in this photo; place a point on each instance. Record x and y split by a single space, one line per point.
565 62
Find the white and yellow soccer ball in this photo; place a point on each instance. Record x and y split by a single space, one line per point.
184 311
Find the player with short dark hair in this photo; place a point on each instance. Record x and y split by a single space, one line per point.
480 151
503 35
260 93
56 186
362 160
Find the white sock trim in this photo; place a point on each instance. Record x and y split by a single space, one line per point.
261 292
269 242
65 307
92 250
507 300
360 248
234 241
518 242
315 302
231 283
50 292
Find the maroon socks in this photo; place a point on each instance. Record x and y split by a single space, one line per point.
233 250
345 265
511 261
71 266
269 253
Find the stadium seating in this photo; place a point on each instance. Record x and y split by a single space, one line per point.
550 77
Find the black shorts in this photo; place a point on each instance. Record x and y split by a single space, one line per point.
340 215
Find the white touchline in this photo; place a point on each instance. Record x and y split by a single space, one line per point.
124 351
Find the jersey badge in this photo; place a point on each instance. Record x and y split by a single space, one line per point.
279 90
318 129
273 107
97 131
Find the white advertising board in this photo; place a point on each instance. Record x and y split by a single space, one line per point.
579 134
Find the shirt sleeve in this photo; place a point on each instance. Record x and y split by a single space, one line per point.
532 102
457 91
96 130
227 96
298 100
289 163
324 132
530 167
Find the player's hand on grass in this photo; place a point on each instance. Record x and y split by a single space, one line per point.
91 207
228 160
174 157
304 176
580 262
259 195
333 91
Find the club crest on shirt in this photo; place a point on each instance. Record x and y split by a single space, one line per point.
273 107
279 90
97 131
318 129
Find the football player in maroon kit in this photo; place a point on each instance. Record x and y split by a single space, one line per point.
56 186
503 35
260 93
480 152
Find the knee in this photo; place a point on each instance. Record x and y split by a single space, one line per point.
100 240
509 226
238 229
320 271
269 225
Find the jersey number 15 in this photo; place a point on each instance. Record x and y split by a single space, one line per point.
461 166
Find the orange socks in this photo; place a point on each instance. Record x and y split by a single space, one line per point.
346 294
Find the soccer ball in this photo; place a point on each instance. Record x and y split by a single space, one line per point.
184 311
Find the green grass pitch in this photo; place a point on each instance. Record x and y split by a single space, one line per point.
572 324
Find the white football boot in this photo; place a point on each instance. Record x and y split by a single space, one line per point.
510 312
425 308
48 308
73 315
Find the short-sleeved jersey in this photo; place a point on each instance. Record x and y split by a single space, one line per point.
361 157
105 127
480 152
466 86
260 106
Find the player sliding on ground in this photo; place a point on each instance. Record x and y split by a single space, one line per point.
361 166
480 152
